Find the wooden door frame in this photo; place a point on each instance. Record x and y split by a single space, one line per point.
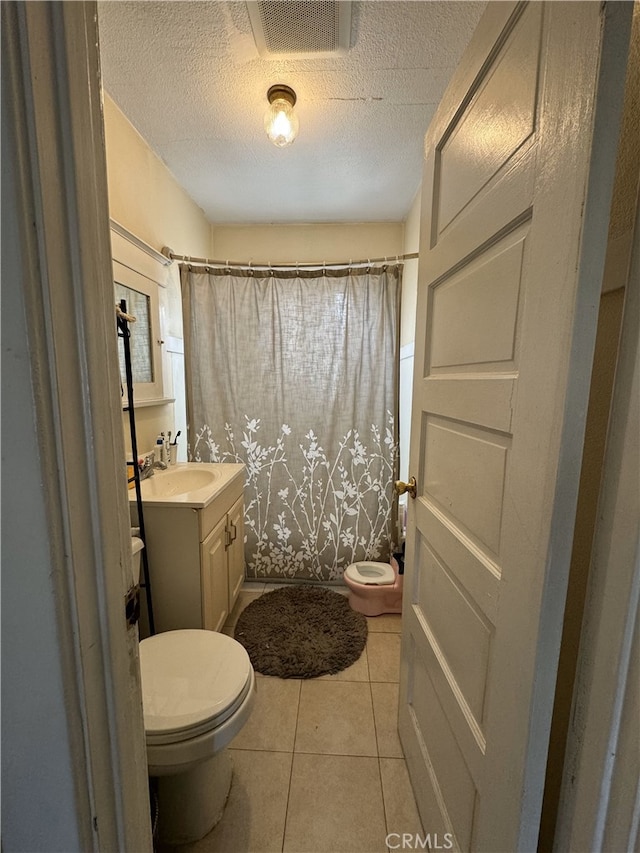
603 730
59 273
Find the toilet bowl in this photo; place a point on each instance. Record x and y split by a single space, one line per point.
374 588
198 690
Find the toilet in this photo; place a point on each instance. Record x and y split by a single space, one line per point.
375 588
198 690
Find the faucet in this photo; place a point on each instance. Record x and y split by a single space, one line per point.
147 468
159 464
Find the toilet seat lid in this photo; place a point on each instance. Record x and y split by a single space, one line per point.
191 680
376 574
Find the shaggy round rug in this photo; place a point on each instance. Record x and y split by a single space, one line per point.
301 632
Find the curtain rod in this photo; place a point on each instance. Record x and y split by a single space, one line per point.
168 253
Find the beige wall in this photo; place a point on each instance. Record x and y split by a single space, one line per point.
623 206
147 200
330 242
410 244
143 194
624 209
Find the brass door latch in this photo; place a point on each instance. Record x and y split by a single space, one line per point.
411 487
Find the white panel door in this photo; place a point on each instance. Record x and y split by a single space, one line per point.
518 171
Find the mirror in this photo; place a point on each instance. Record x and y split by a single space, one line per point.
141 297
138 305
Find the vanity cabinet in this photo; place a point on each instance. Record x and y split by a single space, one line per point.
235 553
196 558
222 567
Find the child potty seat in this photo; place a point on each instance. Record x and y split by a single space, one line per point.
371 574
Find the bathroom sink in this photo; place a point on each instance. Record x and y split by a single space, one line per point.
178 481
191 483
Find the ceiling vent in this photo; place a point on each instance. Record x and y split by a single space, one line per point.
311 28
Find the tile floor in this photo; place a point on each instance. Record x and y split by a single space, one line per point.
319 767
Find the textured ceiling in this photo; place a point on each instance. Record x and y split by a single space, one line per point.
189 78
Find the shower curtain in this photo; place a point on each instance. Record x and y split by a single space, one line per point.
295 374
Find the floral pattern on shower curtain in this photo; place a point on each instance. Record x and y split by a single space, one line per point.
295 374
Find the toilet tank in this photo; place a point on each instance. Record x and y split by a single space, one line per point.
136 555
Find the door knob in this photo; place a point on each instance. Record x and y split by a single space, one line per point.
410 487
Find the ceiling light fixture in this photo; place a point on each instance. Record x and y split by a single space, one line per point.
280 121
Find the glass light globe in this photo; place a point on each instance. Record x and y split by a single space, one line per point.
281 123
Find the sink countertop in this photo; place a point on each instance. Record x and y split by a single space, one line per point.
193 484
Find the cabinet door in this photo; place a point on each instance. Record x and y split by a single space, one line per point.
213 568
236 550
